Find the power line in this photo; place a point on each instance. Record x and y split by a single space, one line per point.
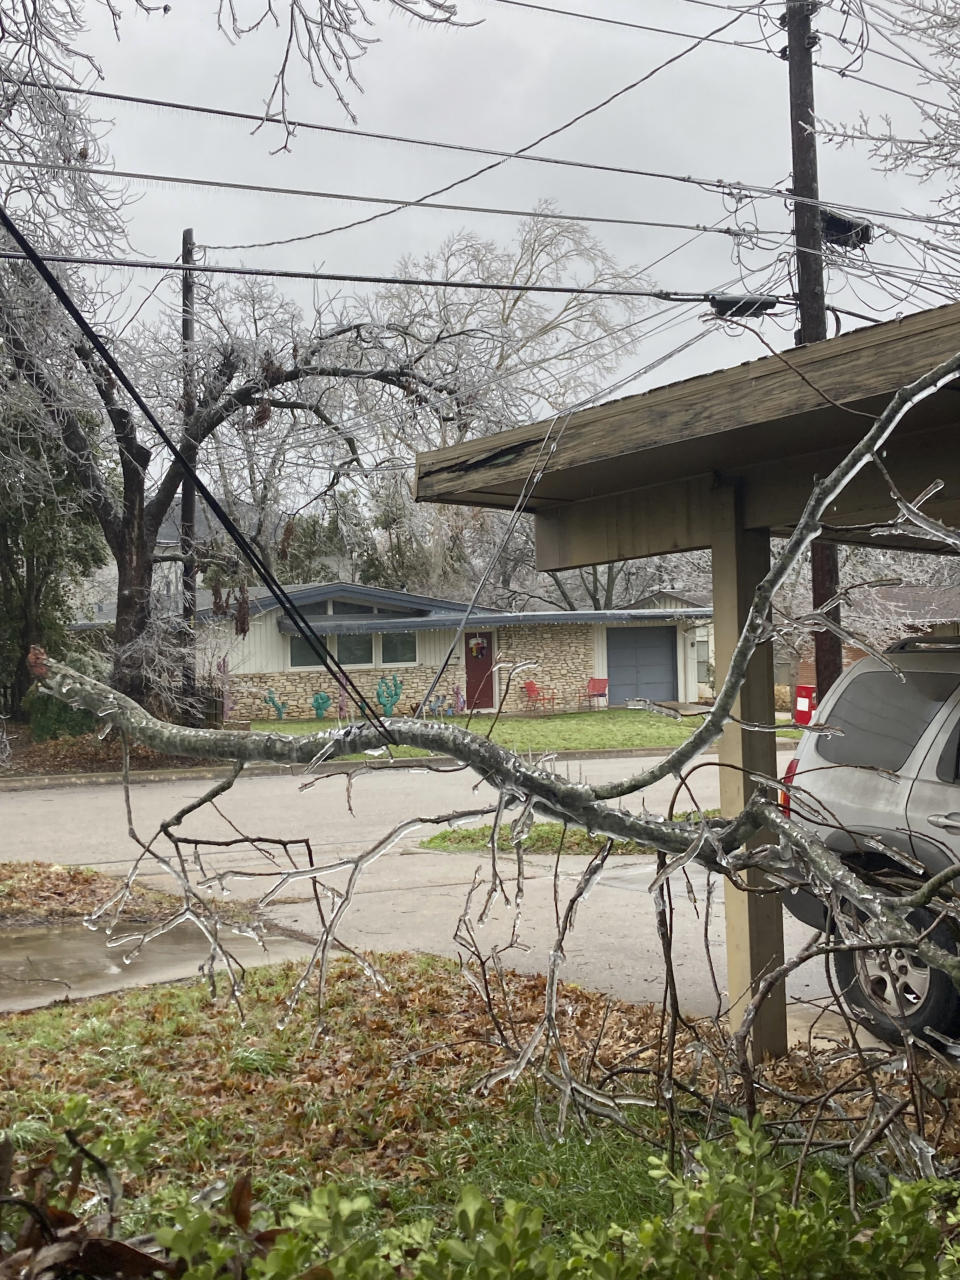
749 46
350 198
145 264
632 26
544 137
730 187
29 254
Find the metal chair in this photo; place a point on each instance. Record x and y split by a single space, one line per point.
539 699
595 692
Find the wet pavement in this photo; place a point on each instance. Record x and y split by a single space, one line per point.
40 966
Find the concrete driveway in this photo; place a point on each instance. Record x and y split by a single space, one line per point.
410 899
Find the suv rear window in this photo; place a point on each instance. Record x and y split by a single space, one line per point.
883 717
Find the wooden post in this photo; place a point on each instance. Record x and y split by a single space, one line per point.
754 922
188 489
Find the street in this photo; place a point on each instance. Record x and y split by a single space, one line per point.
410 899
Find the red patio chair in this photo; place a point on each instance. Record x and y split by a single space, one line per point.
539 699
595 692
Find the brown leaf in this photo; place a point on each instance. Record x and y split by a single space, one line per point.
241 1198
264 1240
101 1257
319 1271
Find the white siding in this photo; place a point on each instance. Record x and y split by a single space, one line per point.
432 648
262 649
599 650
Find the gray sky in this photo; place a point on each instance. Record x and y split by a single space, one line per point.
720 112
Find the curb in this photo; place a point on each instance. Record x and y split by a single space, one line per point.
49 782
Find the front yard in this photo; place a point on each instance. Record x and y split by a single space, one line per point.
616 730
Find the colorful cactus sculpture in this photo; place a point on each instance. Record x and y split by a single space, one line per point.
388 693
459 701
341 699
321 704
272 700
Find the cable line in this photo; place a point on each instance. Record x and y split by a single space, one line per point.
29 254
349 198
146 264
731 186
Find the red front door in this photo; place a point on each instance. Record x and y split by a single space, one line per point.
478 647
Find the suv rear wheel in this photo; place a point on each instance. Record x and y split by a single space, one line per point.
893 989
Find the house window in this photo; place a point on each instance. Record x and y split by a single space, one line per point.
301 655
398 647
355 651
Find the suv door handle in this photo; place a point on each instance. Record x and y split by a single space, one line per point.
946 821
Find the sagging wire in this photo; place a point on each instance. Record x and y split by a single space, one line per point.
246 549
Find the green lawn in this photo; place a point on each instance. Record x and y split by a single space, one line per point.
619 729
544 837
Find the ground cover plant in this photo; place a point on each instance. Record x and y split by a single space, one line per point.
729 1219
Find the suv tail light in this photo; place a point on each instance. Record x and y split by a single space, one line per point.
788 777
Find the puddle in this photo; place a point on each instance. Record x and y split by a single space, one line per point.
38 966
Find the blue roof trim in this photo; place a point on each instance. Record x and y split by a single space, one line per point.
479 622
320 592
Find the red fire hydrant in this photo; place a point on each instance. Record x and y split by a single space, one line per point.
804 703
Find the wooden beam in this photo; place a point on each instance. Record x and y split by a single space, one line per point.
754 921
646 522
773 400
675 516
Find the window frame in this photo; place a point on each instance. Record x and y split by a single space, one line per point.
376 652
415 661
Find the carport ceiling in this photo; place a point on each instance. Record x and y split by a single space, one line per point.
739 424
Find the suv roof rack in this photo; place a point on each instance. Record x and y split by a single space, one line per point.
921 644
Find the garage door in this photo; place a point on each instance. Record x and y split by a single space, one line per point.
642 663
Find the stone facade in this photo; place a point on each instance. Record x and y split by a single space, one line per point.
297 687
565 657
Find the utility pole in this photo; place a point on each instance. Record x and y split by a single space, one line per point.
188 490
808 238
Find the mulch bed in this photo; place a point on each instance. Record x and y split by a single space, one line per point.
85 754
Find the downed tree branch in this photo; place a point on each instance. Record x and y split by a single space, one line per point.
798 858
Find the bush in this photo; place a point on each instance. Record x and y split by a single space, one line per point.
731 1218
48 717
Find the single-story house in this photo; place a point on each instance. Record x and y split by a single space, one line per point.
660 650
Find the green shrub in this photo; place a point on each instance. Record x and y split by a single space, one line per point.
48 717
731 1220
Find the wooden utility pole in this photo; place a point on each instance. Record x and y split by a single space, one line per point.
808 238
188 490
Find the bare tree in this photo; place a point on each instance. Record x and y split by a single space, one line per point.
45 38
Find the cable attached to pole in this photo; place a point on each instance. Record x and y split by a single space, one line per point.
246 549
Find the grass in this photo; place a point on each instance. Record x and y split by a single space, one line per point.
614 730
174 1093
544 837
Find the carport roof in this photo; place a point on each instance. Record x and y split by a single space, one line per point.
805 404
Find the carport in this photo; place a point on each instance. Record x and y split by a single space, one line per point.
724 461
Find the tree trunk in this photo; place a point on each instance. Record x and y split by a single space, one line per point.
134 584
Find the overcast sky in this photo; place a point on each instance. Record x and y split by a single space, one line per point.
720 112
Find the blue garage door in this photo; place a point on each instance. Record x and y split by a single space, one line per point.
642 663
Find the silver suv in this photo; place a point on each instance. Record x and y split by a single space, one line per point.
886 795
